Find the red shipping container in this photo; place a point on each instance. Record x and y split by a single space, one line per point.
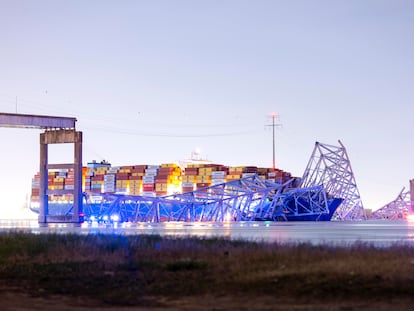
97 177
190 173
162 180
202 185
122 176
163 175
148 187
140 167
188 189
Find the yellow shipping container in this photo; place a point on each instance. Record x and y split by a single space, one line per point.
233 177
169 165
194 165
121 183
161 187
188 178
206 170
203 178
138 174
100 170
238 169
134 182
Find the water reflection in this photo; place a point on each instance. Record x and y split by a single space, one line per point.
381 233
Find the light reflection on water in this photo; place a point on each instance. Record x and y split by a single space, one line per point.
380 233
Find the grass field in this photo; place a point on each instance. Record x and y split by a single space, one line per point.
147 271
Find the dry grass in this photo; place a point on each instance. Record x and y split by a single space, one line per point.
129 270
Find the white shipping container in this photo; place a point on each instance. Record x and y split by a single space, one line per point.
148 194
148 179
271 174
109 177
244 175
153 167
121 190
218 174
153 174
69 187
187 184
113 169
217 181
151 171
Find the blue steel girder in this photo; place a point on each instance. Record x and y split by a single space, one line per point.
299 202
247 199
222 202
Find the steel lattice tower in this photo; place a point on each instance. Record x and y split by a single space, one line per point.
330 166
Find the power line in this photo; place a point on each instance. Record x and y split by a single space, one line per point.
131 132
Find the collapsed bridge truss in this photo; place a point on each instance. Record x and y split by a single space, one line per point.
330 166
399 208
247 199
327 190
328 182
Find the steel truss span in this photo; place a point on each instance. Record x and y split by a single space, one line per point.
330 167
326 191
396 209
247 199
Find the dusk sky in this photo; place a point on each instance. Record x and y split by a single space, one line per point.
150 81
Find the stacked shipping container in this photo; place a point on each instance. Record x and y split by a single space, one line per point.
150 180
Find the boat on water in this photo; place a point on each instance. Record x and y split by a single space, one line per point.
210 192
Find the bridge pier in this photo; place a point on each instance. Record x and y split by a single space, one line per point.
58 130
60 137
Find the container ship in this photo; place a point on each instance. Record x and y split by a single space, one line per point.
145 180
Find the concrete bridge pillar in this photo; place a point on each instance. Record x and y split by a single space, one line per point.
60 136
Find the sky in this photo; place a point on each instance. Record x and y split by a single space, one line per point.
149 81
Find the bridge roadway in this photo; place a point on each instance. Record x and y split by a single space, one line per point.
380 233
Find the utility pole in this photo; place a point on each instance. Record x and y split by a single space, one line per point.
273 125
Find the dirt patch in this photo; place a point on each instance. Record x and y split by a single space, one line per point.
13 301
